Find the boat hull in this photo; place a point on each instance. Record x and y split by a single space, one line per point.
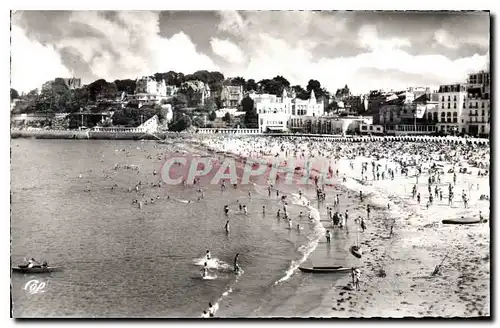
324 269
35 270
461 221
356 251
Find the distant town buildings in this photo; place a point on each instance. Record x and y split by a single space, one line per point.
196 92
231 96
148 92
285 112
70 83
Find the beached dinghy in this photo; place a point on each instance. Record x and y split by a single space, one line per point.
331 269
36 269
356 251
462 220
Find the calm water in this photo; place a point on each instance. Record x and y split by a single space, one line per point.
121 261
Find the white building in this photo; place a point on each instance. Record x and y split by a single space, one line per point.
452 117
283 113
149 91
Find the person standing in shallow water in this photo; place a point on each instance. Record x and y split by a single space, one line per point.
328 236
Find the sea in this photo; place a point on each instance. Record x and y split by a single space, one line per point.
72 206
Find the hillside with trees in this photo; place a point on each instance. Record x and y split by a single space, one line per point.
101 95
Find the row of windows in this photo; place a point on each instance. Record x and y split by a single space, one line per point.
274 122
471 105
476 113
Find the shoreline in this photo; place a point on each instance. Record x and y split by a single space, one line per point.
161 136
420 242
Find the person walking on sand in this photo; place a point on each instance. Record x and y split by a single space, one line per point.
357 274
328 236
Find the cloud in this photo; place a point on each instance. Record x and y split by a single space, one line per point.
227 50
446 39
32 63
364 50
290 48
368 37
122 44
231 21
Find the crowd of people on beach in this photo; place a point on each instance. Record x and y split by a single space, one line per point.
368 162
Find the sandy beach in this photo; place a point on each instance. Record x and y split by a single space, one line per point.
397 278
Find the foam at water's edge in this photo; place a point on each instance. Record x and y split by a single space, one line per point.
310 246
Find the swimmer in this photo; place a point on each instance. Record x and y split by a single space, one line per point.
207 256
226 209
245 210
298 227
301 214
204 271
264 209
211 309
235 263
328 236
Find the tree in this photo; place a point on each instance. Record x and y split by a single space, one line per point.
237 81
274 86
251 85
127 86
316 86
14 94
183 123
227 118
300 92
179 101
247 104
198 121
251 119
95 88
210 105
212 116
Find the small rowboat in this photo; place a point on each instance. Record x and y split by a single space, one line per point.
462 221
331 269
37 269
356 251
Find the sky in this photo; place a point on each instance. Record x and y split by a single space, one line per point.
365 50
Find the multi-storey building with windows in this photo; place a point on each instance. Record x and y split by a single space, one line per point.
452 117
231 96
477 104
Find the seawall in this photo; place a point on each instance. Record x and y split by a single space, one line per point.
75 134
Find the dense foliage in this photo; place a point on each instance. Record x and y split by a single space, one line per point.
101 95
